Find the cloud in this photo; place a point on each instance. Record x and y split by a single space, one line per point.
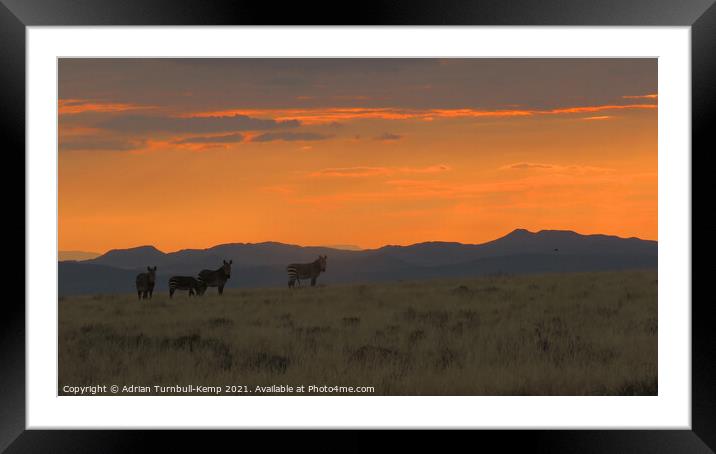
429 169
649 96
229 138
423 190
351 97
388 137
286 81
289 136
589 109
600 117
114 143
354 172
351 172
92 143
77 106
574 169
324 115
141 124
527 165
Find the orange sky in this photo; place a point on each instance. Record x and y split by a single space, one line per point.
364 152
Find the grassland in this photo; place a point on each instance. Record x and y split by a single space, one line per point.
560 334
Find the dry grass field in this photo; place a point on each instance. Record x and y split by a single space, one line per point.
560 334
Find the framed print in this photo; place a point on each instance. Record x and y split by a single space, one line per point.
483 222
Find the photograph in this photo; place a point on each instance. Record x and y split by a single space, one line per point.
470 216
357 226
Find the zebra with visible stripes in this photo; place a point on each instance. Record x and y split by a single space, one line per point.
192 284
216 278
145 283
298 271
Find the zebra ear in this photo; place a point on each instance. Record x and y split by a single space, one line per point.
149 268
231 261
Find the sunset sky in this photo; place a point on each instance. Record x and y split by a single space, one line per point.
191 153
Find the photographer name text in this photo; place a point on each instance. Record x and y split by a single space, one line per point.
90 390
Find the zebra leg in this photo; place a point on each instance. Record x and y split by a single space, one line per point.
290 283
191 292
139 294
221 290
313 282
171 292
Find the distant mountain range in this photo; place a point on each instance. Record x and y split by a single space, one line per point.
76 255
263 264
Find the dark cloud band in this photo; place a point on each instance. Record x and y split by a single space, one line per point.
84 143
143 124
289 137
229 138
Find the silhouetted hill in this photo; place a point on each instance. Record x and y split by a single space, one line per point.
130 258
263 264
518 242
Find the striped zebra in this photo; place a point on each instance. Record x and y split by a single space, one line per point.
192 284
145 283
298 271
216 278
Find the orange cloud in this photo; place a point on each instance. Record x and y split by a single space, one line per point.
351 172
584 109
600 117
576 169
333 114
649 96
527 165
75 106
446 190
376 171
429 169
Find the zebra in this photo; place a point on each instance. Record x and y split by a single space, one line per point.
192 284
145 283
216 278
298 271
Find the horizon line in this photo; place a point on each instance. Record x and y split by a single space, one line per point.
360 249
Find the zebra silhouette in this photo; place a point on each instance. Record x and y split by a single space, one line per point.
194 286
145 283
298 271
216 278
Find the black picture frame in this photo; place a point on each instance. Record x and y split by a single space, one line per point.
700 15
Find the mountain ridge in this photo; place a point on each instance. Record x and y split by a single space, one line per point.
514 233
